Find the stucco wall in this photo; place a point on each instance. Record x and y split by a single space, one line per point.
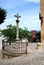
42 14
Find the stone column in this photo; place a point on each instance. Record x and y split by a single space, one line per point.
17 26
17 29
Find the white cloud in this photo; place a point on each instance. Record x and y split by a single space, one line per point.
35 1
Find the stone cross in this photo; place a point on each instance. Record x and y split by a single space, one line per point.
17 26
17 16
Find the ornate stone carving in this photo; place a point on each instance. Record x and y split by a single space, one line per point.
41 18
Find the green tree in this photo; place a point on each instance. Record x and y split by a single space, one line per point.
2 15
39 36
10 33
25 34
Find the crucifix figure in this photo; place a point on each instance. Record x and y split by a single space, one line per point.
17 26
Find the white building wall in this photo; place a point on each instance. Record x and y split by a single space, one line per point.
0 43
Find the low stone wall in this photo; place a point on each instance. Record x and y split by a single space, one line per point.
15 49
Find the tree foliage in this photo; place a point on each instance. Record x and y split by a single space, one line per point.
10 34
39 36
2 15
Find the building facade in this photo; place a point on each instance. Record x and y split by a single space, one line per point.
42 19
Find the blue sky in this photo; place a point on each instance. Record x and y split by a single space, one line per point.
27 9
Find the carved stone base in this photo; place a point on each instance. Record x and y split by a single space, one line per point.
17 39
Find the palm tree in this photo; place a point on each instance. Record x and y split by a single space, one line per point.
2 15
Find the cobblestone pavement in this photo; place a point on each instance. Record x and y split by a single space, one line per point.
34 57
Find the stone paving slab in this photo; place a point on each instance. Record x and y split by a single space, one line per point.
34 57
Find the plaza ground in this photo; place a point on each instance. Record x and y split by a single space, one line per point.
34 57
